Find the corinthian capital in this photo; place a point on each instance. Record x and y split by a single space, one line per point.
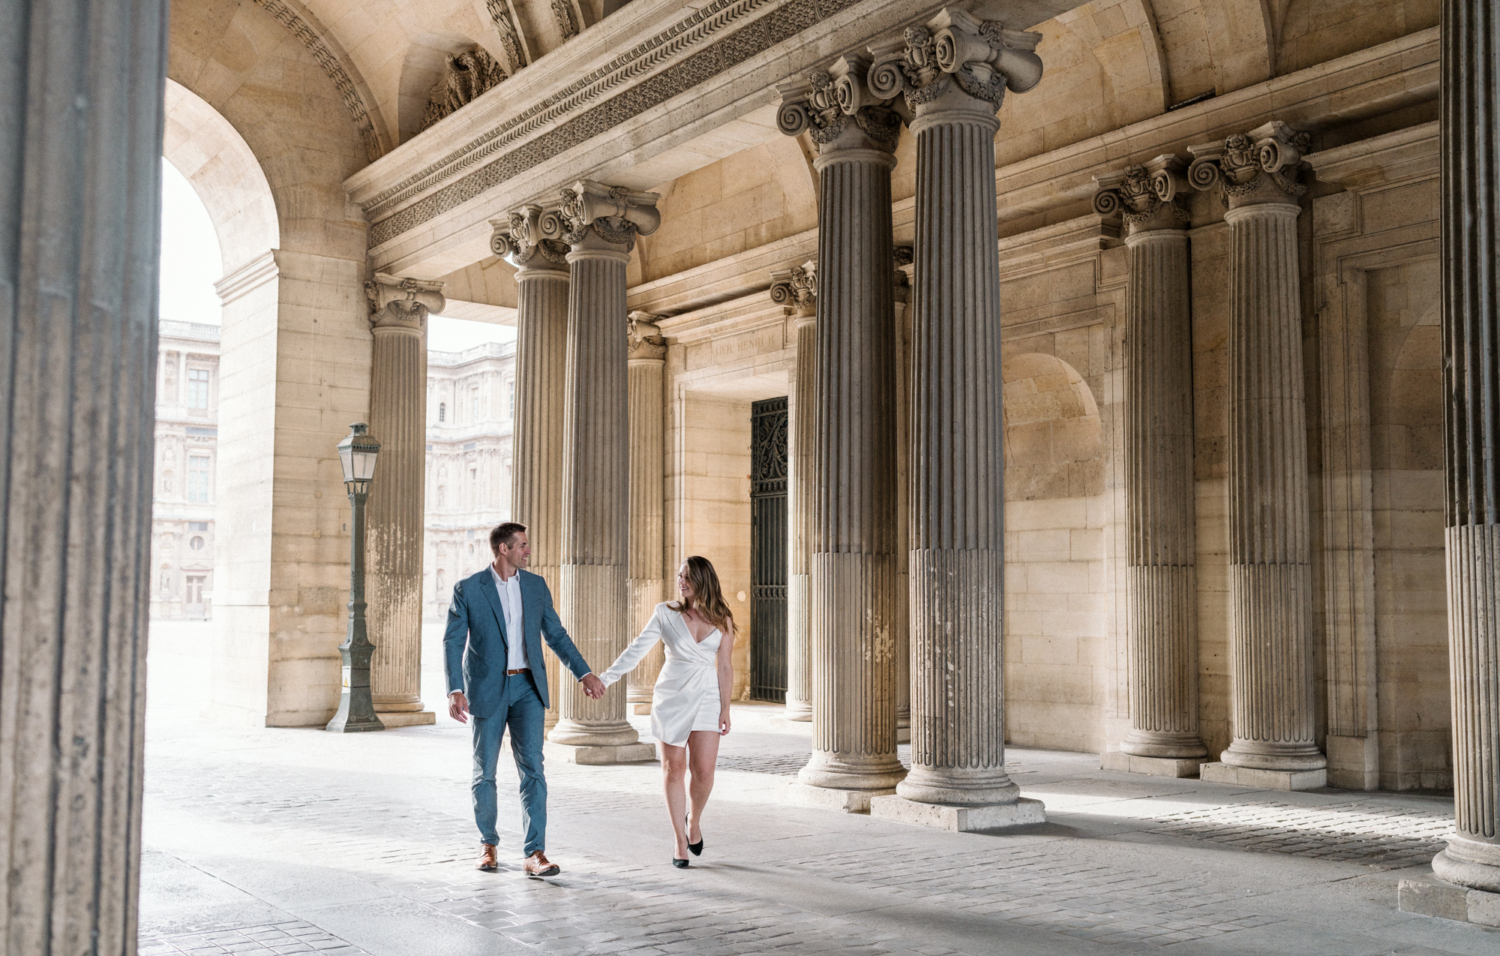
1148 196
592 213
645 339
796 289
838 109
396 302
955 58
1247 167
521 240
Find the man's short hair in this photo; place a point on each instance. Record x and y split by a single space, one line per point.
503 534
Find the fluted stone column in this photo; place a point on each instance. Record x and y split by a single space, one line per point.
796 290
541 368
1270 563
852 569
647 582
79 236
398 417
599 224
1159 514
956 72
902 294
1470 208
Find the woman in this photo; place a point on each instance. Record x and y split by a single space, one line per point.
690 705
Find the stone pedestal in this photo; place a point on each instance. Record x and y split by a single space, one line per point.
1023 812
1161 551
1270 574
398 418
80 180
599 224
796 290
1449 901
647 582
852 567
541 367
1471 379
957 489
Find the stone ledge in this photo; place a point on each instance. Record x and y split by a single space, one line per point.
1121 762
415 718
827 798
600 756
1449 901
1263 779
1024 812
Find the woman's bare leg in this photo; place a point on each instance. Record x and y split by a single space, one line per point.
703 757
674 763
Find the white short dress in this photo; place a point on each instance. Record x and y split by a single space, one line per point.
686 697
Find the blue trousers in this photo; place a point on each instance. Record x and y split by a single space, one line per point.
522 710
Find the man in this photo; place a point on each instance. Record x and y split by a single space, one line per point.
492 653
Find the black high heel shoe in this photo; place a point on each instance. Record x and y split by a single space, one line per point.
680 864
696 849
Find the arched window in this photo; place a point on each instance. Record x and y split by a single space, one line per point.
442 411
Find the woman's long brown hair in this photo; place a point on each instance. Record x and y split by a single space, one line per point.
707 599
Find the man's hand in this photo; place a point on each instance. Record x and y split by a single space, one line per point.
593 686
458 707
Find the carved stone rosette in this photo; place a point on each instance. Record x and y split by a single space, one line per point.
541 353
646 349
599 223
398 417
796 290
852 547
1159 513
954 72
1270 585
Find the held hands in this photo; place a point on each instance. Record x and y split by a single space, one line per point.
458 707
593 686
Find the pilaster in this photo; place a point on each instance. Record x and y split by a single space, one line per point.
852 564
1161 552
398 417
796 290
1274 737
541 368
1470 206
599 224
647 584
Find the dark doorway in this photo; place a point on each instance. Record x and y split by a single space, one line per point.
768 545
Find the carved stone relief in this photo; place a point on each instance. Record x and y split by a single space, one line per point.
470 74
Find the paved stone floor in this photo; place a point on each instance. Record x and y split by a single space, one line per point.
262 842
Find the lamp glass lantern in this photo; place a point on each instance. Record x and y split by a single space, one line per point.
357 454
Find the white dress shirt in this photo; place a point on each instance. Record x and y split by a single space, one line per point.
515 621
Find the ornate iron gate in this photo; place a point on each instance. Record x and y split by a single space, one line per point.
768 552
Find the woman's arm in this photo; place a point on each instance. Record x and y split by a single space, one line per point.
724 664
633 654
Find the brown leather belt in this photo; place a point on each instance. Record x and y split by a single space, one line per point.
519 670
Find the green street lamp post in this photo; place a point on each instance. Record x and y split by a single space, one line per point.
357 454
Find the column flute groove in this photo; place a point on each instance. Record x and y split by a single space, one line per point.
1470 229
647 577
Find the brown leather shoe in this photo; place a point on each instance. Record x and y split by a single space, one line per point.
537 864
487 861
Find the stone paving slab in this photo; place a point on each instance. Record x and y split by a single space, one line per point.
368 841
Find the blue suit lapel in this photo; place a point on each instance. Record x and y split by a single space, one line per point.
493 597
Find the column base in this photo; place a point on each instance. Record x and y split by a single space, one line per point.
595 756
1443 900
836 773
406 718
798 710
1469 863
1121 762
1023 812
641 709
1261 755
1140 743
1263 779
831 798
612 733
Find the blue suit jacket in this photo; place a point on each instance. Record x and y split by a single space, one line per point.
474 645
